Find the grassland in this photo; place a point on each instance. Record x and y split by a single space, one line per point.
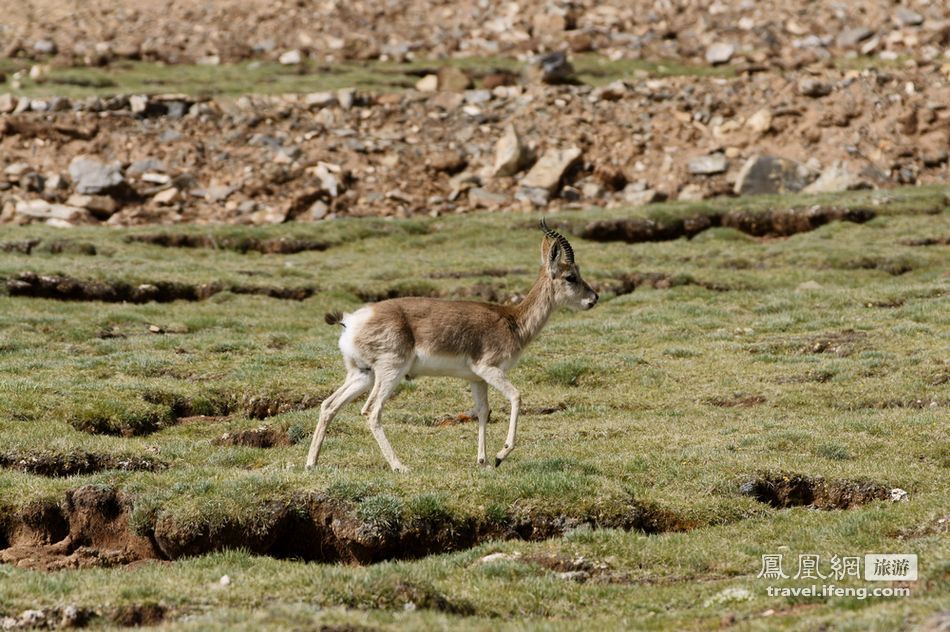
821 354
262 77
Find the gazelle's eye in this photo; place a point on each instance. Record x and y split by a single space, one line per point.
571 278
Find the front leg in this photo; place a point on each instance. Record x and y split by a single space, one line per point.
497 378
480 395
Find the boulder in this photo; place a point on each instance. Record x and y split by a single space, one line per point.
771 174
546 174
510 153
835 178
93 177
708 165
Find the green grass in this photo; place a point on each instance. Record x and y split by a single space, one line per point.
630 382
264 77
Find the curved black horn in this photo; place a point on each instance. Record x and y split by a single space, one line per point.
560 239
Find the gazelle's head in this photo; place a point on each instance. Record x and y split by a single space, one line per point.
557 259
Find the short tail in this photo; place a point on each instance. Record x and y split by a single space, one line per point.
334 318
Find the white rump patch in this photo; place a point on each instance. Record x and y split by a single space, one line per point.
352 323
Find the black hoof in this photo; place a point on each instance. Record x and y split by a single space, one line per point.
497 461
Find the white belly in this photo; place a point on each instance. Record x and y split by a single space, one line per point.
439 365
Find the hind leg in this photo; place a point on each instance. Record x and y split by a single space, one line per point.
357 382
388 376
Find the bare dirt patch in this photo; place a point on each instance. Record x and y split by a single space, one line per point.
770 223
926 241
281 246
91 528
782 490
263 437
73 463
65 288
736 400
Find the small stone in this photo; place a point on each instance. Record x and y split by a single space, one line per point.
510 154
225 580
908 17
815 88
429 83
45 47
708 165
144 165
218 193
318 210
899 495
138 103
453 79
552 68
16 170
448 161
8 103
852 36
613 91
166 197
486 199
547 173
154 177
636 195
320 100
346 97
102 206
770 174
760 122
691 193
720 53
478 97
291 58
491 558
592 190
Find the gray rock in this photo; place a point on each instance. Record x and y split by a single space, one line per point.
638 196
534 195
708 165
291 57
16 170
317 210
138 103
346 97
770 174
478 97
852 36
510 154
546 174
553 68
320 100
809 87
41 209
8 103
691 193
835 178
720 53
102 206
145 165
91 176
45 47
169 135
908 17
485 198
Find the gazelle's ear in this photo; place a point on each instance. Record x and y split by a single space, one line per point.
550 251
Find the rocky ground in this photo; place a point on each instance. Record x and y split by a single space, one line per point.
790 115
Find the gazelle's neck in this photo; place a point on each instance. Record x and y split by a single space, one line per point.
532 313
